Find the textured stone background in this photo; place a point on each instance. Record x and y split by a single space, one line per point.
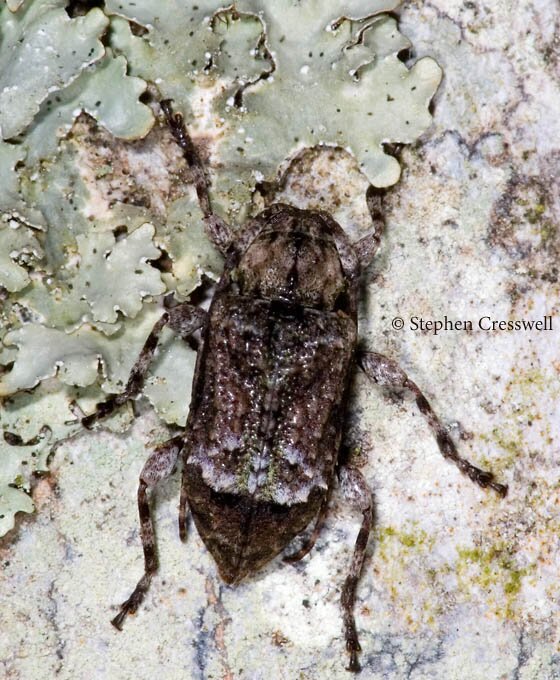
458 583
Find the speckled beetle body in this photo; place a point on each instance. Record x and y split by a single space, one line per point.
261 445
266 414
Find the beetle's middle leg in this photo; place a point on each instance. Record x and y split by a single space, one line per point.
184 319
387 373
159 465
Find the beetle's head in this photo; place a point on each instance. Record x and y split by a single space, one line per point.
294 257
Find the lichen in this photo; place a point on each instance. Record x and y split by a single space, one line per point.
42 51
493 569
97 221
17 243
514 436
401 554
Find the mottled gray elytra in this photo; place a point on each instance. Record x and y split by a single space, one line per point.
261 445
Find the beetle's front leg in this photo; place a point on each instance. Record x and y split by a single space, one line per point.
184 319
355 488
159 465
14 439
387 373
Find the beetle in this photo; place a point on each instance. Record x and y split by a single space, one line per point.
262 441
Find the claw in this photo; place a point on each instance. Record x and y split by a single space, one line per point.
500 489
119 619
354 665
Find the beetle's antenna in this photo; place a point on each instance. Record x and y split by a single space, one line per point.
217 229
367 247
183 139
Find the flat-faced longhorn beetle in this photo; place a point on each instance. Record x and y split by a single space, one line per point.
261 445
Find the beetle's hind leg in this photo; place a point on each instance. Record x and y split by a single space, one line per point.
184 319
312 539
183 510
219 232
387 373
355 488
159 465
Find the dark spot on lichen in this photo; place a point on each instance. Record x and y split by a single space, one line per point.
79 8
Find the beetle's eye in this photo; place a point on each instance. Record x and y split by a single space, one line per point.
238 277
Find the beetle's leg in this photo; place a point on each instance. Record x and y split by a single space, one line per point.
183 510
14 439
387 373
310 542
218 230
159 465
355 487
367 247
184 319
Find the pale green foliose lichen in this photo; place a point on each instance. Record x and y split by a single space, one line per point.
300 76
42 50
17 242
87 212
